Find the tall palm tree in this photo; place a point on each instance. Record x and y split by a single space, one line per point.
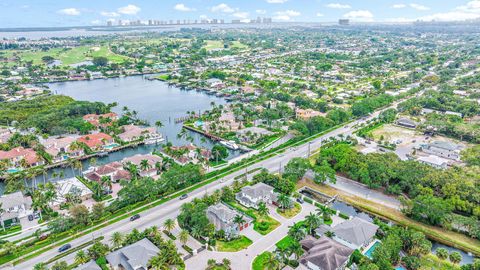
312 221
284 202
226 263
159 262
106 182
239 220
158 124
183 237
117 239
81 257
144 165
169 224
271 262
325 212
296 231
263 209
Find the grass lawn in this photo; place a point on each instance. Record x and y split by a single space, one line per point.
286 242
289 213
238 45
264 225
433 262
259 262
436 233
234 245
213 45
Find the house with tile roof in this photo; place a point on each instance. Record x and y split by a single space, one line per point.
324 254
17 154
96 141
133 257
355 232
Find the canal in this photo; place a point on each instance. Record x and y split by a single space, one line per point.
153 100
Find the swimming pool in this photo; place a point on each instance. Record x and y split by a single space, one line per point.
400 268
111 146
12 170
370 250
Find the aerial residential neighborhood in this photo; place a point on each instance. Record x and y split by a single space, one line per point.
231 135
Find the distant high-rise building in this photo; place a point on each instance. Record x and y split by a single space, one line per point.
222 21
215 21
344 21
120 22
236 21
195 22
259 20
109 23
267 20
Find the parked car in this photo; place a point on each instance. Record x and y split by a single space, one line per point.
64 247
43 236
299 200
184 196
36 215
30 217
134 217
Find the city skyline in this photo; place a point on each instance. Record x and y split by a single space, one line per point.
48 13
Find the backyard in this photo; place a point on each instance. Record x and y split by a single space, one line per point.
234 245
290 213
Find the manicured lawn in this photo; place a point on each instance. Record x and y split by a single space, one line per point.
289 213
286 242
238 45
264 225
259 262
213 45
234 245
433 262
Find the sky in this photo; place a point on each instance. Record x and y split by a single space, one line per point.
46 13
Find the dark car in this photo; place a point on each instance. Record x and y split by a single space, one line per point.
30 217
299 200
184 196
36 215
64 247
134 217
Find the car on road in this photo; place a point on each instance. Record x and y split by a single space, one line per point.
134 217
64 247
30 217
184 196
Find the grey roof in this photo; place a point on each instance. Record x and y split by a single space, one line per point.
356 231
323 229
325 252
444 145
134 256
222 212
257 190
406 121
91 265
15 199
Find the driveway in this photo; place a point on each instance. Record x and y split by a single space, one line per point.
243 259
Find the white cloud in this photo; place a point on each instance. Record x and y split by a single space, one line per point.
129 10
286 15
261 11
469 11
276 1
109 14
183 7
399 6
320 14
359 15
222 8
69 11
241 15
419 7
338 6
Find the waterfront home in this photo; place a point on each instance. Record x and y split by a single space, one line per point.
226 122
59 148
15 206
252 134
71 187
306 114
133 133
188 153
324 253
134 256
96 141
442 149
101 120
113 170
252 196
355 233
222 217
137 160
19 157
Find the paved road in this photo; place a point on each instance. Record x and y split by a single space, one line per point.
156 215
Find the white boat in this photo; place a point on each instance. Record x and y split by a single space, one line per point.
230 144
158 138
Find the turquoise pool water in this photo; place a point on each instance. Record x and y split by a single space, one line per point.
12 170
110 146
370 250
400 268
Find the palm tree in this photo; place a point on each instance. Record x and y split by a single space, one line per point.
226 263
159 262
296 249
196 233
158 124
239 220
183 237
263 209
81 257
169 224
296 231
271 262
40 266
117 239
284 202
312 221
106 182
144 165
92 162
325 212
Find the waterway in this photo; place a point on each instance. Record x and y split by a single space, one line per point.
153 100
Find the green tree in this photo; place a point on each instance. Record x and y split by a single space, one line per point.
324 172
81 257
117 240
263 209
455 257
79 214
169 224
296 231
219 152
98 250
100 61
60 265
284 202
183 236
442 253
312 221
